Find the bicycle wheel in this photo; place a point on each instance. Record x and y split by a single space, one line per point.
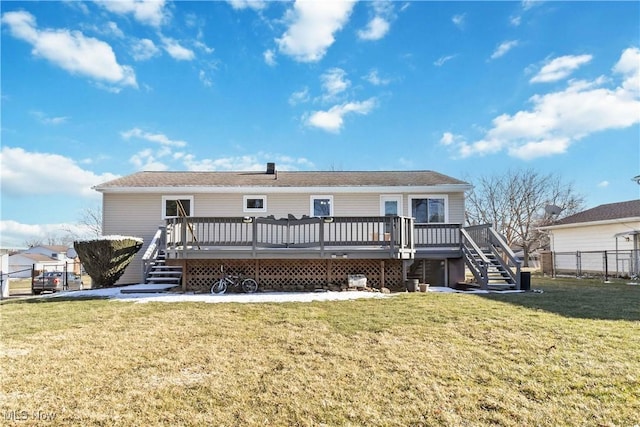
219 287
249 286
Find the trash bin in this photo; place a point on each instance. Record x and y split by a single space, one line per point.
525 280
411 285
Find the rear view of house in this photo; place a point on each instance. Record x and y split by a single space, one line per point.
294 230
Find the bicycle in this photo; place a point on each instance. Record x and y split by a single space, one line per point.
247 285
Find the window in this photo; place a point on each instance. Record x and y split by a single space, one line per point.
254 204
428 209
177 206
321 206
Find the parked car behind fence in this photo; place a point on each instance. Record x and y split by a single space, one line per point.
55 281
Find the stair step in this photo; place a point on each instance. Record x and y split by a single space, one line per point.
500 287
163 280
165 272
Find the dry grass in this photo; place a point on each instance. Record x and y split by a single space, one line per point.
558 358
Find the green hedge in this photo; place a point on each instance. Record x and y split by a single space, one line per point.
105 258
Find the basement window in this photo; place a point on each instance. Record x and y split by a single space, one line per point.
177 206
254 204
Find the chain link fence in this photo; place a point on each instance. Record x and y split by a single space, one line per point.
623 264
19 278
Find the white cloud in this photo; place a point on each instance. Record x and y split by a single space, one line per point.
312 28
203 47
559 68
253 162
503 48
15 234
150 12
376 29
459 20
299 97
333 119
46 120
152 137
375 79
603 184
24 174
147 160
176 50
144 49
269 57
71 50
558 119
449 138
334 82
443 59
515 20
206 81
248 4
379 25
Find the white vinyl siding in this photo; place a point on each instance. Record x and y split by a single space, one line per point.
137 215
592 238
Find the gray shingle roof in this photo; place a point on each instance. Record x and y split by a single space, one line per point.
606 212
280 179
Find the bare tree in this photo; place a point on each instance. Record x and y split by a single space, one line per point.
91 218
514 204
33 242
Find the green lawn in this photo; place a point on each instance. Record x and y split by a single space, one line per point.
568 356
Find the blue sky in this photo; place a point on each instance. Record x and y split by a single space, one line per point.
96 90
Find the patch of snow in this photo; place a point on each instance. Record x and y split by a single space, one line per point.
112 237
259 297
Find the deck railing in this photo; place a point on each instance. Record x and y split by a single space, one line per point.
157 245
436 235
393 232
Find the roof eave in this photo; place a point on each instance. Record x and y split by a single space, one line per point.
437 188
590 223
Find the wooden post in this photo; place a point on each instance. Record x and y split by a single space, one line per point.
382 279
185 272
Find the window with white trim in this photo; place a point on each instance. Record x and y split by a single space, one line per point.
321 206
429 208
254 204
177 206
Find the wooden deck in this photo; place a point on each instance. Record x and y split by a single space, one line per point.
312 238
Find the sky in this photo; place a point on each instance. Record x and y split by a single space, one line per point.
96 90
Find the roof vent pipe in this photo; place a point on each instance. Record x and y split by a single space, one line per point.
271 168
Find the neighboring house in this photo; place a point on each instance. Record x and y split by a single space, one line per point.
293 230
58 252
613 227
22 264
41 258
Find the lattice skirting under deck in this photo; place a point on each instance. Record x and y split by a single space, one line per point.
295 275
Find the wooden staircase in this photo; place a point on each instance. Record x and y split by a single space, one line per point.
490 260
163 274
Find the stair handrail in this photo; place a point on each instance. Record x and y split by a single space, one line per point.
156 246
478 269
499 242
